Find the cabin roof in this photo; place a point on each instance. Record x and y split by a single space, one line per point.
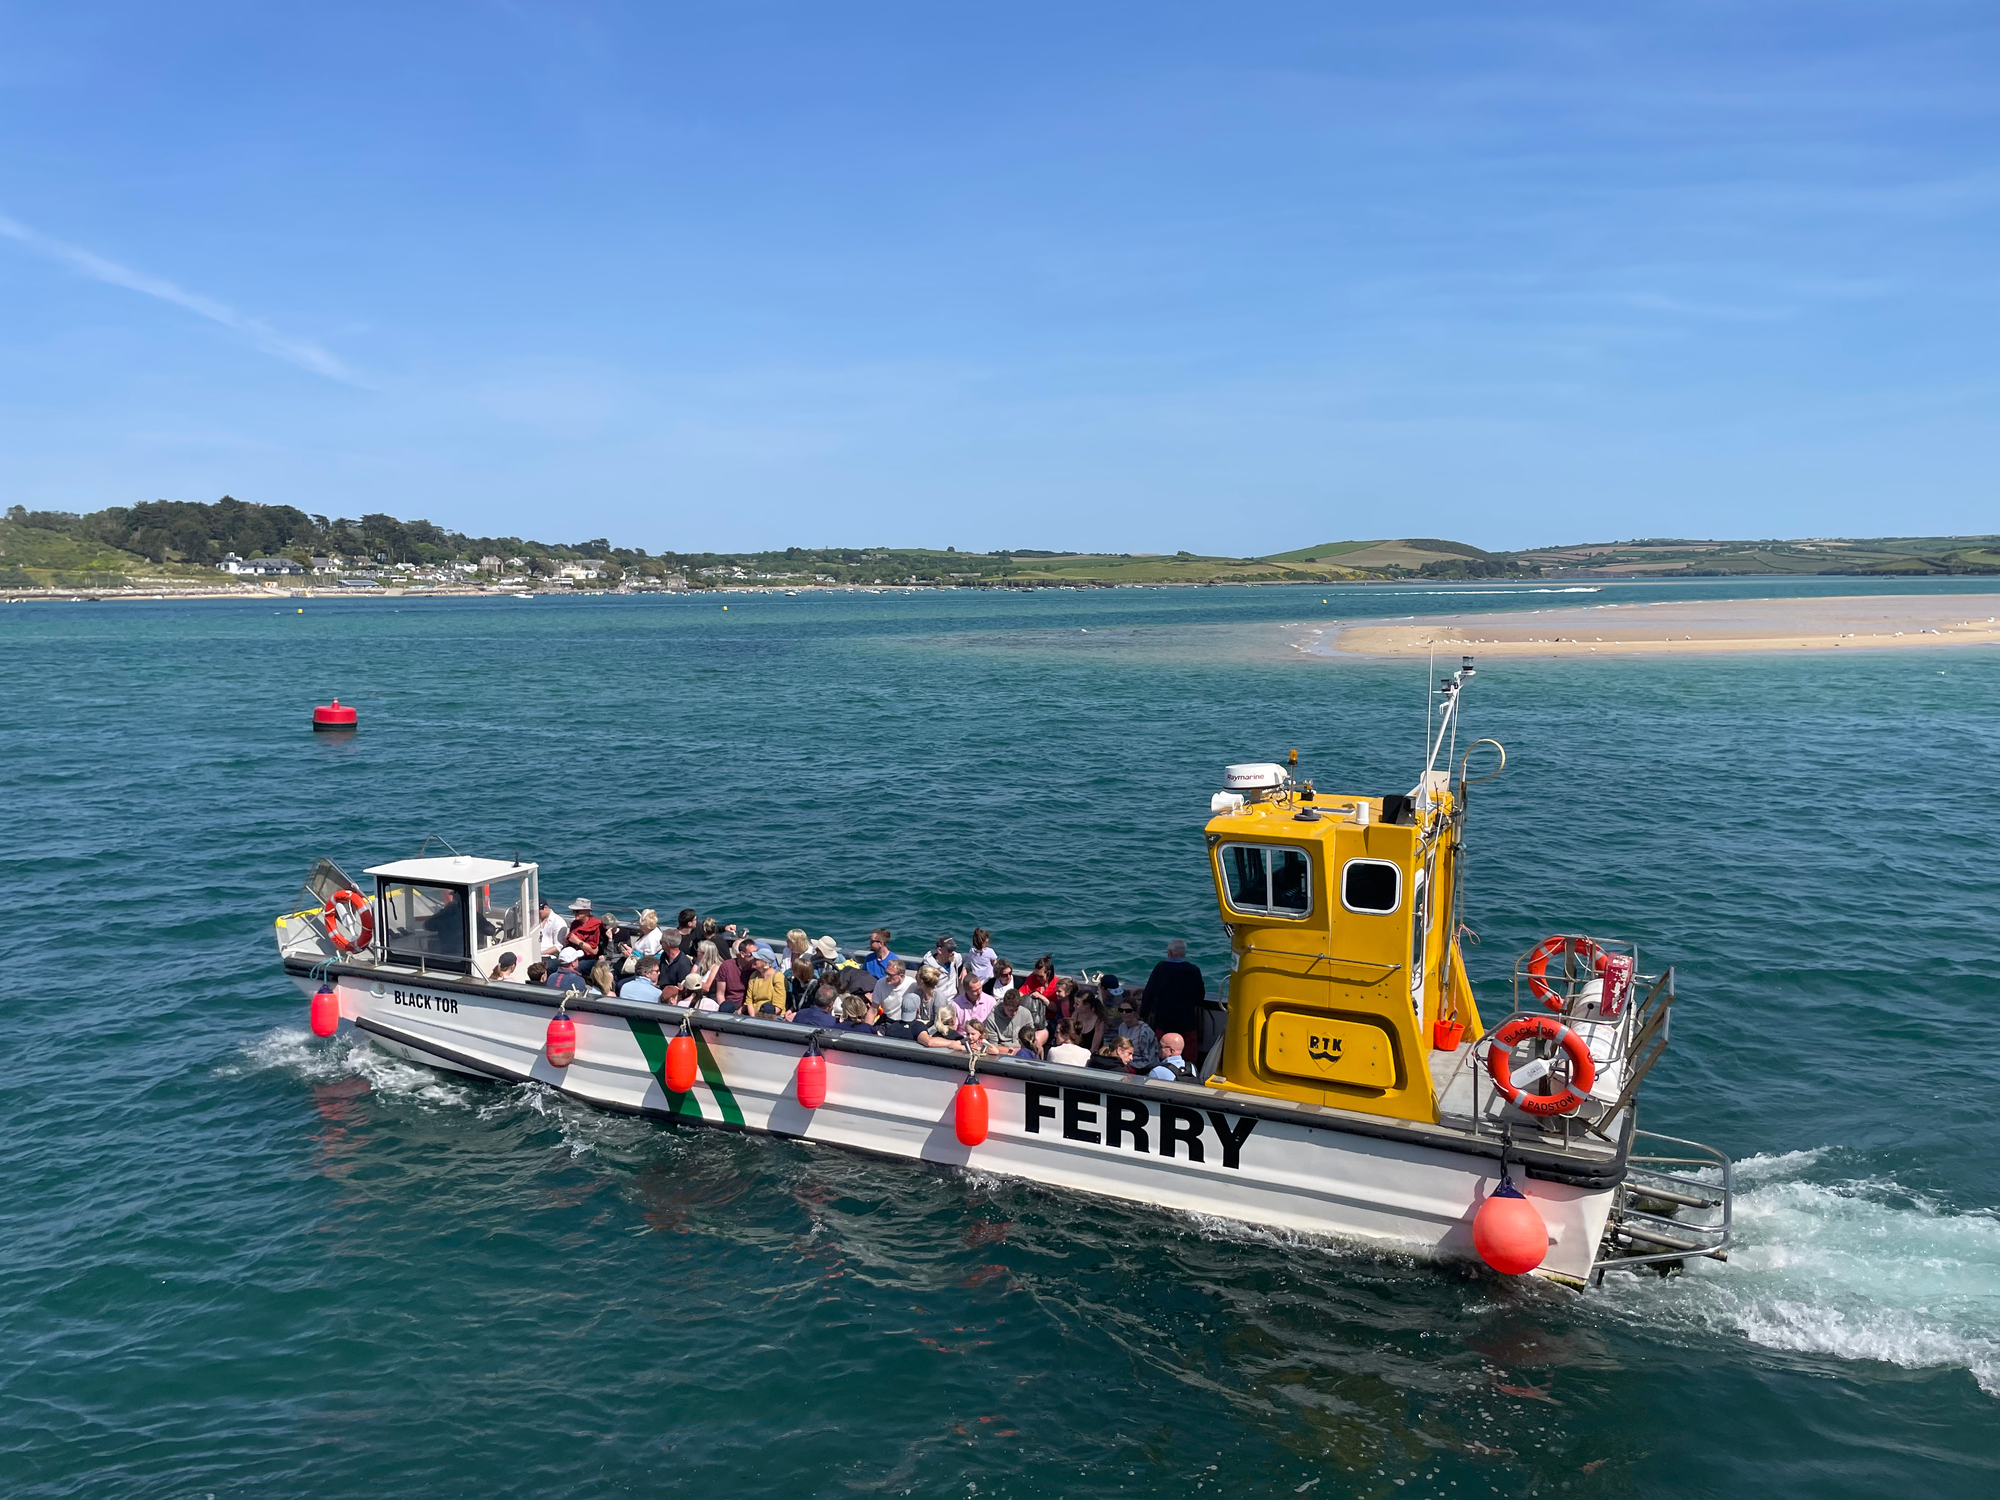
451 869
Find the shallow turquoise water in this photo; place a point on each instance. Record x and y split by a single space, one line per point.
242 1262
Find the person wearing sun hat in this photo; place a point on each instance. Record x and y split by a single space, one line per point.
586 932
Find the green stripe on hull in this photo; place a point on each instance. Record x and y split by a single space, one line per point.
713 1074
653 1044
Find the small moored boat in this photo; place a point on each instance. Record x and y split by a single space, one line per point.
1353 1088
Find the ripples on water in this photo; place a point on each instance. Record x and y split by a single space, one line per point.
241 1261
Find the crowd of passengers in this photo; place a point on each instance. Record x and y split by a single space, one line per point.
972 1002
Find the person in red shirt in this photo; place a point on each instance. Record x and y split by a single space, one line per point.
735 976
586 932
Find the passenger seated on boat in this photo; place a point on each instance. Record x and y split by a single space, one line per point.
1121 1053
538 972
944 958
929 978
1011 1023
503 971
567 975
767 987
1087 1023
826 954
797 946
855 1015
643 985
1172 1067
944 1030
1041 979
879 954
972 999
893 994
1058 1005
675 962
650 936
818 1008
601 980
1003 978
586 932
702 976
1145 1046
1067 1050
733 978
685 925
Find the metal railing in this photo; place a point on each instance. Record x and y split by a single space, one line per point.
1645 1227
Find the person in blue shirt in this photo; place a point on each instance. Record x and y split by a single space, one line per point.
643 985
816 1010
880 955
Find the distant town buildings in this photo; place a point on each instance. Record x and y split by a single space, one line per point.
259 567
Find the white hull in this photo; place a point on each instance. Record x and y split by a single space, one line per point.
1177 1146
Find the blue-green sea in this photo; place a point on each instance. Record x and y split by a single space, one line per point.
238 1261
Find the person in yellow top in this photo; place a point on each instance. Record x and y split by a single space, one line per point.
766 987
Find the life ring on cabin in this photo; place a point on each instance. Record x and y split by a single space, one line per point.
1556 947
350 921
1500 1064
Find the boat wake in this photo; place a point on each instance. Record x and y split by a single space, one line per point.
1858 1269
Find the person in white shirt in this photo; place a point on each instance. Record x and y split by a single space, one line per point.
896 994
1066 1050
982 958
944 958
650 936
552 932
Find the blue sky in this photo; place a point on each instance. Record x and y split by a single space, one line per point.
1136 277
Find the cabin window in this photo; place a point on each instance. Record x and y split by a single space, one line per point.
1265 878
423 923
503 912
1371 885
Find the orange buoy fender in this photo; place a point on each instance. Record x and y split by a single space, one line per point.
349 919
1556 947
1508 1231
811 1080
325 1011
560 1048
681 1064
969 1112
1500 1064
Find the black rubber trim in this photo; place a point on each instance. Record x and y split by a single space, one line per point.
1542 1165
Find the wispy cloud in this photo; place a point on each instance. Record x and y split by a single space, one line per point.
306 355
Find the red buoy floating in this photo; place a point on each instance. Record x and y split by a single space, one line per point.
560 1048
325 1011
969 1112
1508 1231
333 716
681 1063
811 1081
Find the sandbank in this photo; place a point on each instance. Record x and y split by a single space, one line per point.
1681 627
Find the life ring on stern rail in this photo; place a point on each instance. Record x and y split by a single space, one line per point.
350 921
1500 1064
1555 947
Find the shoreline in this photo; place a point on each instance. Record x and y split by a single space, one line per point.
1692 627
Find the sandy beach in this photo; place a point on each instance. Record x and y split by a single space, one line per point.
1680 627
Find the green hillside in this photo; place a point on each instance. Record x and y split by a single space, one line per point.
1669 557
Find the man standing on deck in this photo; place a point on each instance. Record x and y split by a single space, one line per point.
551 933
1174 992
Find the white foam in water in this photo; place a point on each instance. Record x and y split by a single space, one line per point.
1859 1270
349 1056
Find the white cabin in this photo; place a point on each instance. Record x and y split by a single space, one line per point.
455 914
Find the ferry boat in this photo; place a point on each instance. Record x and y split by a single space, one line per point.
1354 1089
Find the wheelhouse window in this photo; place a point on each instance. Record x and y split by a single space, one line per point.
1371 885
423 923
503 913
1267 878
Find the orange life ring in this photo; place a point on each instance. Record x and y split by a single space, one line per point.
1538 964
1500 1064
350 921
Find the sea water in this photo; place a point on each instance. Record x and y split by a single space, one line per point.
242 1261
